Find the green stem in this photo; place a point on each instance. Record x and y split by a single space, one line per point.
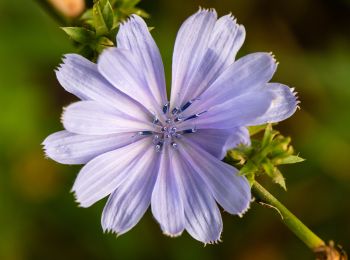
288 218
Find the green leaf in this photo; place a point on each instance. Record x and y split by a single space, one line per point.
268 167
141 13
248 168
103 43
268 136
279 179
130 3
79 34
99 21
108 15
251 179
290 159
87 15
253 130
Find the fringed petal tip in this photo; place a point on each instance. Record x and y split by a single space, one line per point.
294 98
273 57
206 10
234 20
46 155
78 200
129 19
231 16
213 242
245 210
44 147
132 18
295 94
64 109
172 235
108 230
69 59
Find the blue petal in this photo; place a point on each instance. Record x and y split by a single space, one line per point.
128 203
105 173
240 111
272 103
218 141
239 135
229 189
225 40
92 118
124 71
80 77
283 104
247 74
190 47
202 216
135 36
68 148
167 205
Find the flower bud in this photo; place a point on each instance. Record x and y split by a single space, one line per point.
69 8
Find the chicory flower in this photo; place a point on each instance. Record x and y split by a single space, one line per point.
141 149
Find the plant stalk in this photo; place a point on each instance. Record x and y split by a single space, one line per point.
316 244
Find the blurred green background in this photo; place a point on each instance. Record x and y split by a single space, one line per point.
38 216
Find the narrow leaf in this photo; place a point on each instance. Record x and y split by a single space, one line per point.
268 167
99 22
279 179
108 15
248 168
290 159
79 34
256 129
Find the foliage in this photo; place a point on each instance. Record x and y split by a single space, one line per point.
97 27
264 156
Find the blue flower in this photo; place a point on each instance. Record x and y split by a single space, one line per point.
141 150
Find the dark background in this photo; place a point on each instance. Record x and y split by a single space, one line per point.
38 216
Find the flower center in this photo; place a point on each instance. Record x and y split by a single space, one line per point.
166 132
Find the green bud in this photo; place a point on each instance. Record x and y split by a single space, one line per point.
263 156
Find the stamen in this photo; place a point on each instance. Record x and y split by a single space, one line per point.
178 119
166 132
156 139
159 147
194 116
184 107
165 108
174 145
145 133
175 110
189 131
155 121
